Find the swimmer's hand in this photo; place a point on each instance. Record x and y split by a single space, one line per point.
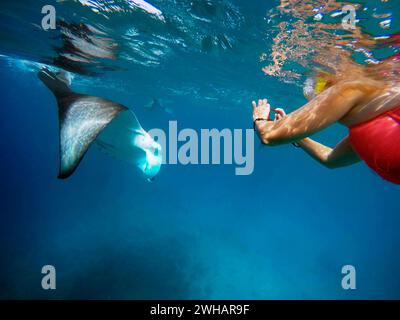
261 111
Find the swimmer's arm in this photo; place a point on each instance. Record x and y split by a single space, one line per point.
342 155
326 109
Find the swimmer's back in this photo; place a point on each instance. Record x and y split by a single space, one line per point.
379 98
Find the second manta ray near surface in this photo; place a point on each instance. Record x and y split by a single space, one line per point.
85 119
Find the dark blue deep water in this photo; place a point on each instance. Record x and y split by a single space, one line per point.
197 232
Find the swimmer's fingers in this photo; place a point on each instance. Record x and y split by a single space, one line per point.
263 103
280 111
280 114
261 110
254 106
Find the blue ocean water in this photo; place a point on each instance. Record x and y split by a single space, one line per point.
197 232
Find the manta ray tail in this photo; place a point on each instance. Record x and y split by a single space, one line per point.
81 120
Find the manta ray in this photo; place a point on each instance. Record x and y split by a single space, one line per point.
85 120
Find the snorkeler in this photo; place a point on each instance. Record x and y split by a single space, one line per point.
369 108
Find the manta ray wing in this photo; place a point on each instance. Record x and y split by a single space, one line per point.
81 119
84 119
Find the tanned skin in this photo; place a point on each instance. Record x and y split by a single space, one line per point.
349 103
